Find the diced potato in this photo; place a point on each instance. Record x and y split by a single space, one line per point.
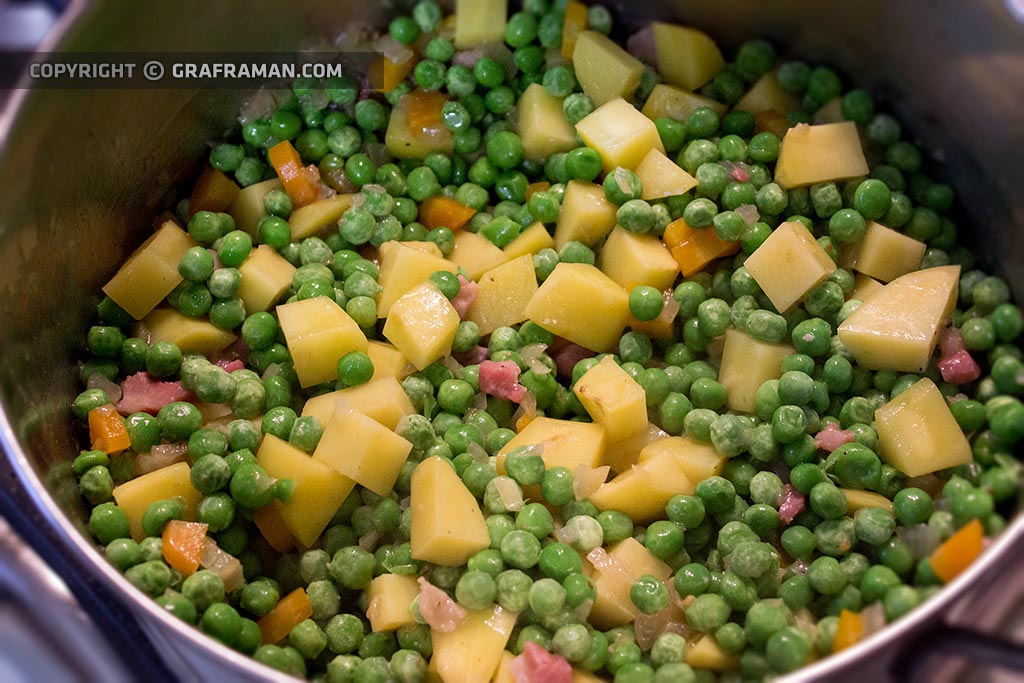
898 326
529 241
586 216
402 267
643 490
662 327
479 21
389 597
387 360
788 264
706 653
566 443
697 459
318 332
597 325
604 70
422 325
188 334
747 364
151 272
686 57
447 525
310 219
542 124
319 490
621 455
620 134
855 500
613 606
886 254
768 95
918 434
661 177
830 112
167 482
404 143
471 653
247 209
613 399
818 154
364 450
668 101
266 276
579 676
693 249
476 254
632 260
503 674
382 399
503 294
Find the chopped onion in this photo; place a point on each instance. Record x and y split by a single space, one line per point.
641 46
111 389
405 503
353 37
257 105
873 618
392 49
529 404
510 494
586 480
649 626
480 401
141 330
749 213
378 154
476 451
369 540
921 539
582 610
799 567
437 608
224 565
453 365
621 177
567 534
531 354
670 309
161 456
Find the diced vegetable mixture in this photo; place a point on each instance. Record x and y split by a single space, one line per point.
532 356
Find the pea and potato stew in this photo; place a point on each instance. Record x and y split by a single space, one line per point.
536 357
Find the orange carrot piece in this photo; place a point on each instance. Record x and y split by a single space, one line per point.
213 191
423 111
293 609
694 249
385 75
958 551
661 327
288 164
271 524
107 431
849 630
183 545
539 186
443 211
575 22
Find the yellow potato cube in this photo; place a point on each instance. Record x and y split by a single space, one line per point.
266 276
556 306
643 490
447 525
247 209
613 606
382 399
310 219
530 241
403 265
319 490
389 597
188 334
405 143
585 677
747 364
566 443
697 459
503 674
387 360
865 287
818 154
768 95
479 21
613 399
632 260
855 500
476 254
621 455
167 482
503 294
318 332
668 101
471 653
897 327
542 124
886 254
620 134
422 325
788 264
661 177
364 450
918 434
151 272
586 215
686 57
706 653
604 70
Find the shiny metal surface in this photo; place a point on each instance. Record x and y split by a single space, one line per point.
82 173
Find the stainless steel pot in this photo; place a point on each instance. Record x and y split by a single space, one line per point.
83 172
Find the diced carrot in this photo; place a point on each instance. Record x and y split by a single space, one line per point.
423 111
107 431
214 191
849 630
385 75
693 248
539 186
958 551
523 421
292 609
271 524
443 211
183 545
575 22
288 164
